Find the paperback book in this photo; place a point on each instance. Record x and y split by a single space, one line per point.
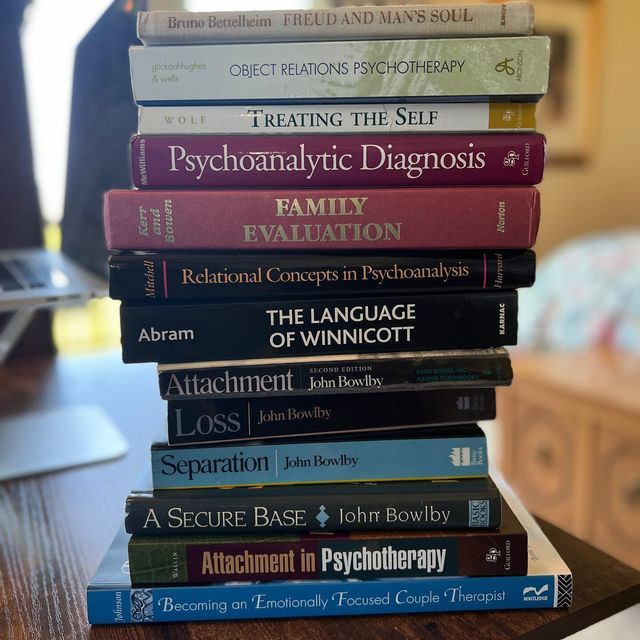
475 69
345 161
349 373
370 506
426 454
363 555
227 420
547 584
313 326
338 118
322 219
336 23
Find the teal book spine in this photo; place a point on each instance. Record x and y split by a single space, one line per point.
321 462
381 70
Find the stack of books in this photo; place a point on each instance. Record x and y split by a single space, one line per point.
333 211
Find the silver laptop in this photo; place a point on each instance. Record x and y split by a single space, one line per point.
32 278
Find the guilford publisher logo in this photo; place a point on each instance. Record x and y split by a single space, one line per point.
492 555
510 159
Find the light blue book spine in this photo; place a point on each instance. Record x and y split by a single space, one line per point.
324 462
329 598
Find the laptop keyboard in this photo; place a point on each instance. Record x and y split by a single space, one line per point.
17 275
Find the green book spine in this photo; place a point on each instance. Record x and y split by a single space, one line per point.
384 70
156 564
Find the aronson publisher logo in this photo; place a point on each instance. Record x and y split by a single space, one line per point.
538 594
504 66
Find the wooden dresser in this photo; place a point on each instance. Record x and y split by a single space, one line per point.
570 444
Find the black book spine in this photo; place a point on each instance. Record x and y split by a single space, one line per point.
430 370
278 328
214 421
165 514
171 277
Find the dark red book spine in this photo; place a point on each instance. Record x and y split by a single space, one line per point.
388 160
323 219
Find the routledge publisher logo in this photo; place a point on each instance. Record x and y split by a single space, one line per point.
538 595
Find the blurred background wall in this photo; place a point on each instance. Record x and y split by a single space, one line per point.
600 191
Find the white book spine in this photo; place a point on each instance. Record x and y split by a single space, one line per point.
365 118
343 23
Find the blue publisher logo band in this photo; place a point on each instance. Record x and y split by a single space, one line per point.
478 513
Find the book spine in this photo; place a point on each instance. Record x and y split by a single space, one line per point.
181 27
278 328
327 598
338 118
159 277
318 462
230 420
343 219
346 161
324 557
479 69
165 515
421 372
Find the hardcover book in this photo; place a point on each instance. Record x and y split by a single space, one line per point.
336 23
306 327
322 219
175 276
349 373
337 118
426 454
370 506
363 555
345 161
228 420
474 69
547 584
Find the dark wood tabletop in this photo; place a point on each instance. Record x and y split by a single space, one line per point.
55 528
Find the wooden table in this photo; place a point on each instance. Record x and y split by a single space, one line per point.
54 530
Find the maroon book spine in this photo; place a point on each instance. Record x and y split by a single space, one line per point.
389 160
336 219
